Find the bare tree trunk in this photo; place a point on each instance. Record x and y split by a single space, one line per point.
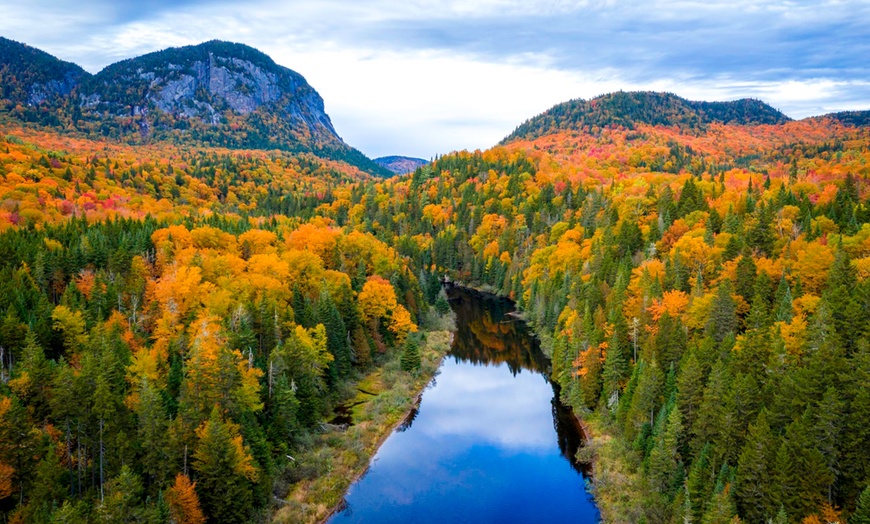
101 460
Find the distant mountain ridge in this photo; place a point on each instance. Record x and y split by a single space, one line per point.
215 93
627 109
401 164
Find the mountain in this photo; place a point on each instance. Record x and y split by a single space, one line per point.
30 77
216 93
400 164
627 109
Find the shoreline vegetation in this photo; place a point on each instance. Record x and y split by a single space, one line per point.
332 460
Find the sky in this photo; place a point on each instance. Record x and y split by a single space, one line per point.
426 77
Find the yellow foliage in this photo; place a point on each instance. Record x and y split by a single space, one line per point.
258 241
72 327
401 324
807 304
377 298
699 311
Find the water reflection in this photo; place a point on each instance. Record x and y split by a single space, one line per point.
487 334
488 443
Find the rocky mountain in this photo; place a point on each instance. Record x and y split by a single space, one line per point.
400 164
216 93
30 77
627 109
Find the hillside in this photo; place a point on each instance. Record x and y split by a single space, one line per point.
30 77
178 320
401 165
627 109
217 94
702 290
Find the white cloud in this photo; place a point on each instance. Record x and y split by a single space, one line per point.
423 77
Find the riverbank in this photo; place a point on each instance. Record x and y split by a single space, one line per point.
339 456
615 484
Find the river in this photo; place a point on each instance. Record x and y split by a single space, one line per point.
490 441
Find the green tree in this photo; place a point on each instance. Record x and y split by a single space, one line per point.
121 503
411 355
664 458
723 313
753 479
862 510
224 472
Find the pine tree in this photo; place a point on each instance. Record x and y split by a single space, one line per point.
828 427
411 355
121 503
862 510
48 488
224 472
441 304
152 432
856 432
336 337
752 493
690 390
646 399
723 313
713 423
800 476
699 484
664 458
847 319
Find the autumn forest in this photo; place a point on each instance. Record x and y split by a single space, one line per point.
181 315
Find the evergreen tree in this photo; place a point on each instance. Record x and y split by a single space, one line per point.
664 458
862 511
336 337
800 476
699 484
723 313
224 472
411 355
753 479
690 390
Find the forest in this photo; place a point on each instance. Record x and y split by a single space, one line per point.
177 321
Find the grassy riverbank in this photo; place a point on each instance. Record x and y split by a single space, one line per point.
333 459
615 483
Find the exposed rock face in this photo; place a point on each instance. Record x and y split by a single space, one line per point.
57 88
202 82
401 164
32 77
216 93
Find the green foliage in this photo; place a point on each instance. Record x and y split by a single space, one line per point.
411 355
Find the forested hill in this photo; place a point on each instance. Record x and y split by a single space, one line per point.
29 76
627 109
215 94
704 295
852 118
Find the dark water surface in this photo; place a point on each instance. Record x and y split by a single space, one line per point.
490 442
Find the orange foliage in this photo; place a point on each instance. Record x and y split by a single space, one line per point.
674 303
183 502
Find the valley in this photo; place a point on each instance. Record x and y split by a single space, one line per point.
197 275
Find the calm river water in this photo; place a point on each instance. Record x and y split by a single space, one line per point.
490 442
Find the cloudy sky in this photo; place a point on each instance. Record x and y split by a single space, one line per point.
424 77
